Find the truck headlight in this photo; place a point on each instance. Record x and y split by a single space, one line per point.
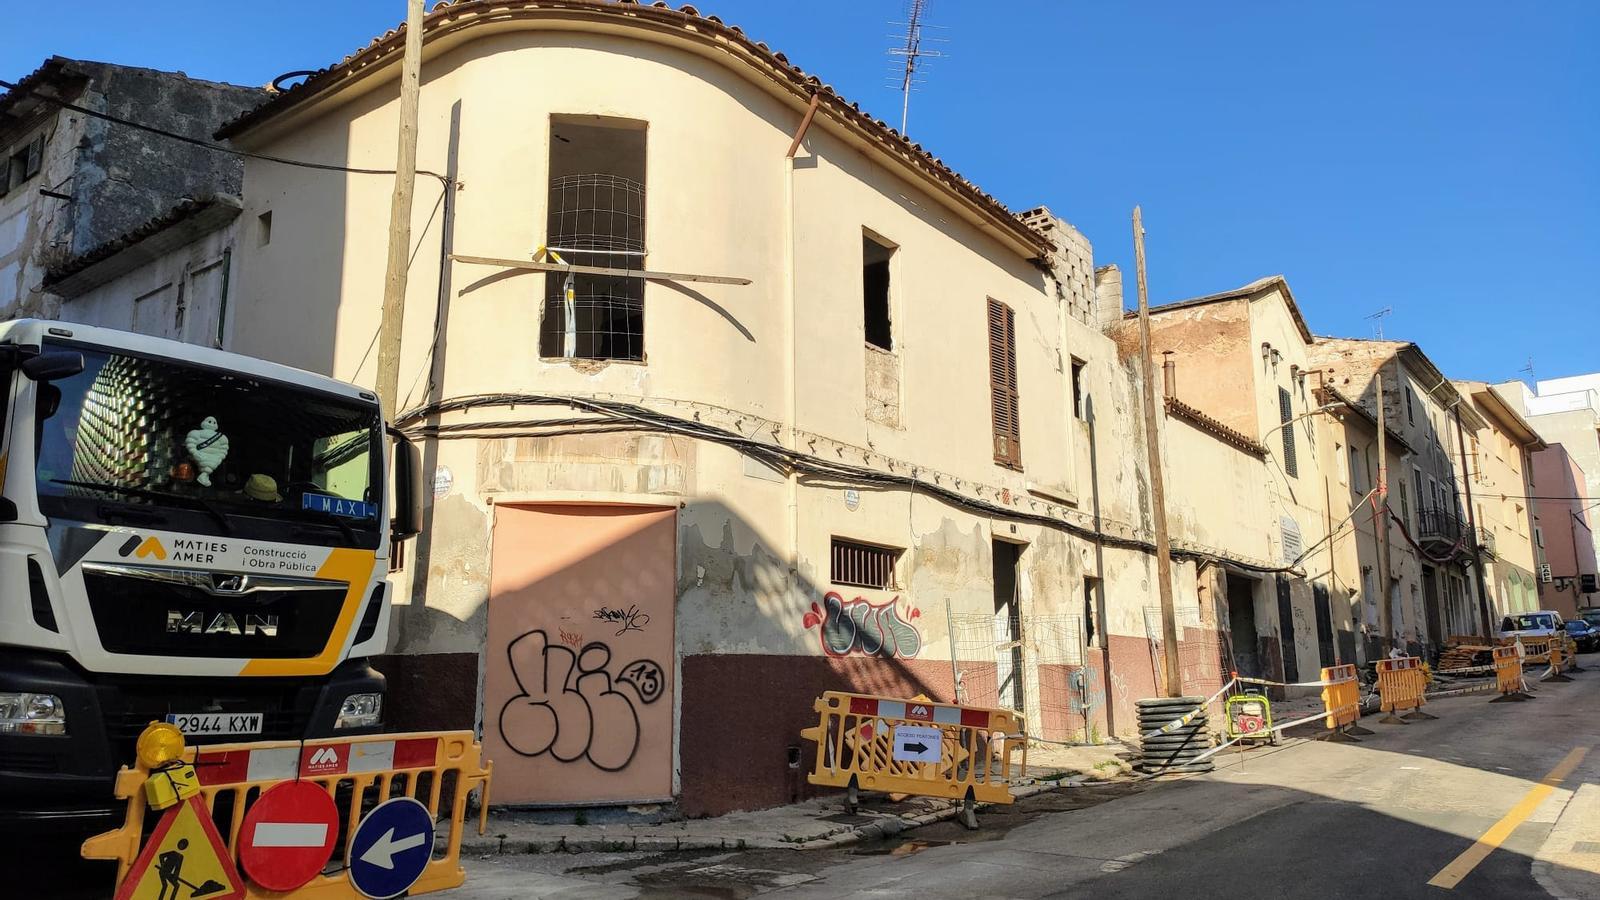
360 711
22 713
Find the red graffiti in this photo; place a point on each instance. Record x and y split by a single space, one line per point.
570 638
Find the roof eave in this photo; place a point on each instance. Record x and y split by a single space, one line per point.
444 28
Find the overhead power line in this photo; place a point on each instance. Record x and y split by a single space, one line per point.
209 145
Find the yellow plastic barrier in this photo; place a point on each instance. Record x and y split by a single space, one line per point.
1507 675
910 747
1560 659
1341 697
358 772
1535 650
1401 686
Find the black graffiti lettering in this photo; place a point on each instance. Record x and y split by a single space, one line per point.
569 708
646 677
630 619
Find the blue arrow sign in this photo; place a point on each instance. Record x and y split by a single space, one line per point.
391 847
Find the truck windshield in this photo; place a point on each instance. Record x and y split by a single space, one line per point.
136 438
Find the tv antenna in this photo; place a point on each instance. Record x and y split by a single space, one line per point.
912 51
1377 320
1529 369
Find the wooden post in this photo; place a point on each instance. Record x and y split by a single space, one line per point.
394 281
1472 525
1158 494
1381 526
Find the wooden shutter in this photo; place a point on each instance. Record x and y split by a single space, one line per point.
1003 400
1286 413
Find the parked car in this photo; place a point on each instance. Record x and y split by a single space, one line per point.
1592 616
1542 623
1584 634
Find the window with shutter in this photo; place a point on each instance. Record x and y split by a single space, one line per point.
1003 400
1285 414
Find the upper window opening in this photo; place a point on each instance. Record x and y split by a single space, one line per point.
596 218
863 565
875 257
24 162
1078 396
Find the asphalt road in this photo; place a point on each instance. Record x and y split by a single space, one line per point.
1310 819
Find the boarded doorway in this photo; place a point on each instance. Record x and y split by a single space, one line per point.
1242 627
577 692
1430 601
1008 624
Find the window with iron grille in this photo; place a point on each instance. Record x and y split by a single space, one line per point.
1286 414
595 217
1003 398
864 565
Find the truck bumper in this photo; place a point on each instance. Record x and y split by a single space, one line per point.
65 782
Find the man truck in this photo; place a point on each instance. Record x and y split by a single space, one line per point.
186 535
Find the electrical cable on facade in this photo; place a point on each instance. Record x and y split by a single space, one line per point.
778 457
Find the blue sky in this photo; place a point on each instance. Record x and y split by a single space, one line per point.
1438 157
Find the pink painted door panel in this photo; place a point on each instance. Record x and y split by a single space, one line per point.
578 694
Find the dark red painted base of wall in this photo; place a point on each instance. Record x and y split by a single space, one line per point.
430 691
742 714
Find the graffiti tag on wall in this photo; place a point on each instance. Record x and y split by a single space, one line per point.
847 627
569 707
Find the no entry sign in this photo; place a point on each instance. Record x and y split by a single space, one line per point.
288 835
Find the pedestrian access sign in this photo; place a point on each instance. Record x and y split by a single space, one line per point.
390 848
184 858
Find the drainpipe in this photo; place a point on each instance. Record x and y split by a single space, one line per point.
1169 375
1472 523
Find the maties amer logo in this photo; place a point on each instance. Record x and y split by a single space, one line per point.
327 756
142 547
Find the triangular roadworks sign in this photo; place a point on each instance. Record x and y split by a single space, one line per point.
183 859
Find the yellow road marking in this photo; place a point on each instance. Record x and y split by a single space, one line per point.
1462 866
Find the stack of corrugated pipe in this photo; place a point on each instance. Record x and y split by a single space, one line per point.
1173 750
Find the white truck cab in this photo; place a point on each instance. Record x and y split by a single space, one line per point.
186 535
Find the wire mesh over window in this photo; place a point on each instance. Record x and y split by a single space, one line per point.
863 565
595 220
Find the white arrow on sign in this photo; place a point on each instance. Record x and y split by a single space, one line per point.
382 851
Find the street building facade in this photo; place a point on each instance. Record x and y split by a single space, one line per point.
87 203
1500 465
1436 422
873 439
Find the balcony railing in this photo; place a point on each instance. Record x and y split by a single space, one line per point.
1438 528
1486 541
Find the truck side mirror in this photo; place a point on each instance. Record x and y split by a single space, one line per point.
407 521
53 364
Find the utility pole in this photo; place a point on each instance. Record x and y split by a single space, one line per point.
1381 526
394 280
1158 493
1472 526
1333 579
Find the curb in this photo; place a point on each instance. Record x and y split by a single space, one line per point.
885 827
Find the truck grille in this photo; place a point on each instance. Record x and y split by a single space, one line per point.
131 705
131 616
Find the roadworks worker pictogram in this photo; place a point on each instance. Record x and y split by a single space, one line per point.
184 859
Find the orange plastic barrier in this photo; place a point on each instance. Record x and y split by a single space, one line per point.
1507 675
913 747
1401 685
1341 695
355 771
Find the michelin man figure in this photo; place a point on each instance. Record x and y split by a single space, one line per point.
208 447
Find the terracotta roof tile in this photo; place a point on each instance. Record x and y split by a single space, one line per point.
445 12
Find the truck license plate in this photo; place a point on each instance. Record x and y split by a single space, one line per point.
216 723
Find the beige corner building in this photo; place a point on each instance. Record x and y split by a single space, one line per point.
863 430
